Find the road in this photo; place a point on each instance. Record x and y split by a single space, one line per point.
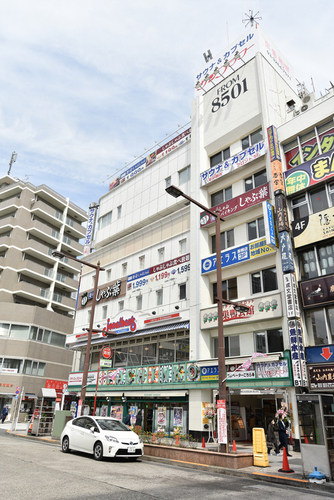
31 469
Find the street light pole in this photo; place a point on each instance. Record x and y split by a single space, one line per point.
98 268
176 192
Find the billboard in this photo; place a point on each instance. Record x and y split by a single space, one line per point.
286 252
312 228
318 291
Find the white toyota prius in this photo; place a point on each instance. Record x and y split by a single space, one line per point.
102 437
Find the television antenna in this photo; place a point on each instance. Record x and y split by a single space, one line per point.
252 18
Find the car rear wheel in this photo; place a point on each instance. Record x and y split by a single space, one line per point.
98 451
65 446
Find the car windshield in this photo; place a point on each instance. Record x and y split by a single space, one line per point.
111 425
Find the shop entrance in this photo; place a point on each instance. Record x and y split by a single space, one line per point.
148 417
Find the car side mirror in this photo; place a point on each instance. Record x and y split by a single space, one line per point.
92 429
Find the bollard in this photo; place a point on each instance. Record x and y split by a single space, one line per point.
203 443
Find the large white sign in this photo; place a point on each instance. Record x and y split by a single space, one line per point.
222 423
76 378
246 46
291 296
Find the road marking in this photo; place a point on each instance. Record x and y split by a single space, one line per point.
280 477
191 463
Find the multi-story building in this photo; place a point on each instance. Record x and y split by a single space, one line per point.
158 289
37 291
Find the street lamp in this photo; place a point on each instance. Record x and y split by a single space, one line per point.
97 267
176 192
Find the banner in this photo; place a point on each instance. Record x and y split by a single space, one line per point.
312 228
309 173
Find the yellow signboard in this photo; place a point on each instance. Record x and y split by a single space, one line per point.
260 451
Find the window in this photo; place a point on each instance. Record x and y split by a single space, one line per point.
105 220
230 289
182 246
104 312
159 294
58 339
13 364
4 328
47 336
264 281
299 207
221 196
121 356
313 201
121 305
269 341
252 139
220 157
319 199
316 260
108 274
161 254
256 229
166 351
168 181
142 262
232 346
184 175
135 355
182 291
149 354
89 312
139 302
119 211
182 350
255 180
124 268
20 332
226 240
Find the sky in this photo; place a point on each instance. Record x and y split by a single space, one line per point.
88 87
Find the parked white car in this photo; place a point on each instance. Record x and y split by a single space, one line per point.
102 437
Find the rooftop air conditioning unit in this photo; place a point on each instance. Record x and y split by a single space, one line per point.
308 102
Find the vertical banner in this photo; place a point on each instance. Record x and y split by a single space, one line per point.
291 297
275 160
281 213
269 224
286 252
90 228
221 421
301 353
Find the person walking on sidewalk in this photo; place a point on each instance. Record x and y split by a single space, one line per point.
4 414
282 433
271 438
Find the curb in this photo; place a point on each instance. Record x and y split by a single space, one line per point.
255 476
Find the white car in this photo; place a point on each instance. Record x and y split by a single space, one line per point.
102 437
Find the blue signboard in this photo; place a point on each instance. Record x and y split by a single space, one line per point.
269 223
237 255
286 252
320 354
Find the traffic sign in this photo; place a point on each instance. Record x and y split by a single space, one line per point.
17 390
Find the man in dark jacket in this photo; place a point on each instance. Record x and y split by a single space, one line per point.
282 434
4 414
127 420
271 438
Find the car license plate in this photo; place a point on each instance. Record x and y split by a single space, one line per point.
131 449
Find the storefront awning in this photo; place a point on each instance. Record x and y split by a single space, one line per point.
138 394
8 394
29 395
139 333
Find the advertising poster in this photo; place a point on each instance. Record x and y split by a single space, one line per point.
309 173
318 291
162 416
221 420
178 417
116 412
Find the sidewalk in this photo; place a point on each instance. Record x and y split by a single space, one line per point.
268 474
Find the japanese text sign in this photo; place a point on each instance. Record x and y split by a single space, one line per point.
309 173
312 228
286 252
318 291
291 297
281 213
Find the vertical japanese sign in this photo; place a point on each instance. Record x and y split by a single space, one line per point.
291 297
90 228
222 423
275 160
281 213
286 252
269 224
302 353
297 354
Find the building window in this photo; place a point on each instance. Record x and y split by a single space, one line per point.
4 329
230 289
184 175
252 139
182 291
182 246
256 180
226 240
20 332
120 305
299 207
149 354
119 211
159 294
220 157
316 260
13 364
135 355
316 326
104 312
221 196
313 201
269 341
264 281
121 356
105 220
139 300
182 350
168 181
166 351
232 346
142 262
161 254
256 229
124 268
108 274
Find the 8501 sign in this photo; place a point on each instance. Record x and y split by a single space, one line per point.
229 92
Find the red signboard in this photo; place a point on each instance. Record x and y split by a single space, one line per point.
242 202
162 318
106 353
58 385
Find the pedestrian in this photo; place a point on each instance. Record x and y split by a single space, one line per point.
139 418
282 433
271 438
127 420
4 414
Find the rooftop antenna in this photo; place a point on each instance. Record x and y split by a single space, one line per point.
12 160
252 18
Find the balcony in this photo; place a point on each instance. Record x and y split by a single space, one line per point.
66 282
8 205
7 221
74 228
47 213
65 303
32 292
36 249
71 246
44 232
5 242
36 271
69 265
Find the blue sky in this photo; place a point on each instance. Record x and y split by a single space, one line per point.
87 85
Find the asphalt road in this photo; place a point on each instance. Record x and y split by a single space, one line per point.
31 469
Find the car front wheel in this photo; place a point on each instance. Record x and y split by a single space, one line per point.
98 451
65 446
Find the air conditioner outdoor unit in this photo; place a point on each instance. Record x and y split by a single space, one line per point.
308 102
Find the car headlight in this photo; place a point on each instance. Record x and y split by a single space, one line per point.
112 439
140 440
